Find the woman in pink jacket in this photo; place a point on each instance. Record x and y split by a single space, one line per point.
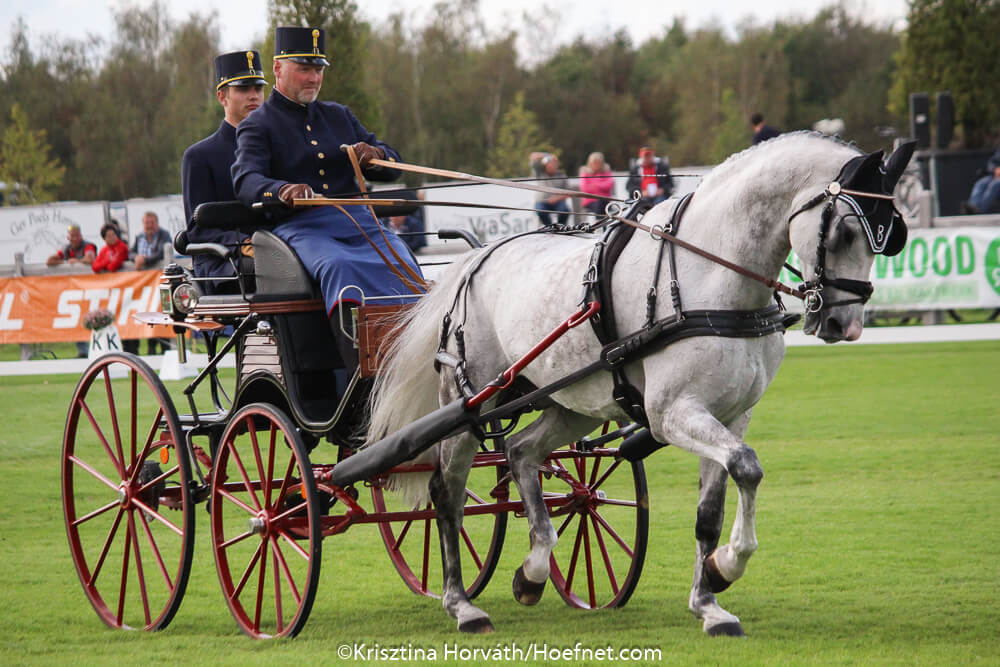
596 179
113 254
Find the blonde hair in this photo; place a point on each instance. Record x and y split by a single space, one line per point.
597 155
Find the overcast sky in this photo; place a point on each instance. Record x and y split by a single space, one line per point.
241 20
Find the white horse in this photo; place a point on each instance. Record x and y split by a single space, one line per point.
698 392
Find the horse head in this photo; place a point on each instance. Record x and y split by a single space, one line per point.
839 234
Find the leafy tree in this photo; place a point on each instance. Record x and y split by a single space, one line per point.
952 45
519 135
25 159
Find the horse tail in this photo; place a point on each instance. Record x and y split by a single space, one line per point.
406 387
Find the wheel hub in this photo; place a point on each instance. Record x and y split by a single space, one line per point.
258 525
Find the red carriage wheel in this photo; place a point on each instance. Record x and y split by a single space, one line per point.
414 547
602 530
126 494
265 523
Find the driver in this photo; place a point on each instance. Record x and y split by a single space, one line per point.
290 148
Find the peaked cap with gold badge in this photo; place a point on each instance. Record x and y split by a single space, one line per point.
303 45
239 68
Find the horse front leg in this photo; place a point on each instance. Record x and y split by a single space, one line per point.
447 488
723 453
525 453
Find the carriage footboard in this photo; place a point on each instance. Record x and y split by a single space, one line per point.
405 443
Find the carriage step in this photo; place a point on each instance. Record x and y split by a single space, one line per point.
639 445
405 443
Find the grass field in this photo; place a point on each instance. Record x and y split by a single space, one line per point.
877 522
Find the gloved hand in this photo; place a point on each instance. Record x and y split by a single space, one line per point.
290 191
366 153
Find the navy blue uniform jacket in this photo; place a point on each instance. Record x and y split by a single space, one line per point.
205 176
286 142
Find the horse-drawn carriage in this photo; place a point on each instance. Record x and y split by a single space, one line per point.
441 419
135 471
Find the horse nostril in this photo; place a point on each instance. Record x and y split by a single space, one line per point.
833 328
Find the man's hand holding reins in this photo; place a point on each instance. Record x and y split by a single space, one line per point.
366 153
292 191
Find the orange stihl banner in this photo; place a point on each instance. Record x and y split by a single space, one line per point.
50 309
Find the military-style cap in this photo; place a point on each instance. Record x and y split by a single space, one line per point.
303 45
239 68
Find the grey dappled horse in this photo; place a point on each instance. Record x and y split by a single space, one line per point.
698 392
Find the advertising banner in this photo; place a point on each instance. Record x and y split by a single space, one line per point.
939 269
50 309
39 231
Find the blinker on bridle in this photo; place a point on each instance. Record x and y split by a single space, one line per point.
813 289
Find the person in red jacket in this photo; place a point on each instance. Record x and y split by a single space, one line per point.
113 255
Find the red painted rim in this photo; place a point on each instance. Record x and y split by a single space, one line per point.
265 536
128 514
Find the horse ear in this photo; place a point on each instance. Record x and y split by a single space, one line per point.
857 172
895 165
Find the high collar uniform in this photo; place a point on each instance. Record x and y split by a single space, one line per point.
205 177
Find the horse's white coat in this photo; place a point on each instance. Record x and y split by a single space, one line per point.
698 392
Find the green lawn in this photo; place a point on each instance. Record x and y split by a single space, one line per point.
877 522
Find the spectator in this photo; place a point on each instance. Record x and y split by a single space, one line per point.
650 176
596 179
545 167
761 130
147 249
114 253
985 196
77 251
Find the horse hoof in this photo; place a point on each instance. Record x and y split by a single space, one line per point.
526 592
477 626
726 630
716 582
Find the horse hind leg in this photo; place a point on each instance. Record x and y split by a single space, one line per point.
525 452
447 489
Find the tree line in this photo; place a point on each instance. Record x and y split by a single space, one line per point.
109 119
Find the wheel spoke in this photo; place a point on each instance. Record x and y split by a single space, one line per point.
257 459
596 485
156 550
236 501
114 418
99 511
156 515
260 587
119 467
287 513
402 535
124 579
158 479
472 550
279 559
93 471
572 560
425 569
469 493
294 544
148 446
138 567
235 540
569 517
593 472
246 573
604 555
283 491
134 416
612 532
239 465
278 615
589 561
270 466
107 545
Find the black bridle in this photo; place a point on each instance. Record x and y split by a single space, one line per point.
877 238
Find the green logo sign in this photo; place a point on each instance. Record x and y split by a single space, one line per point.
992 262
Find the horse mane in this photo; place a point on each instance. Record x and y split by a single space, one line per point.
736 159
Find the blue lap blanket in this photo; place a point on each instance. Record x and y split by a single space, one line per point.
336 254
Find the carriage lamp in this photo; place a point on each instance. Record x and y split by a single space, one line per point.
185 298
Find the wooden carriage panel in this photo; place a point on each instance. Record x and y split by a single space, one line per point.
375 332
